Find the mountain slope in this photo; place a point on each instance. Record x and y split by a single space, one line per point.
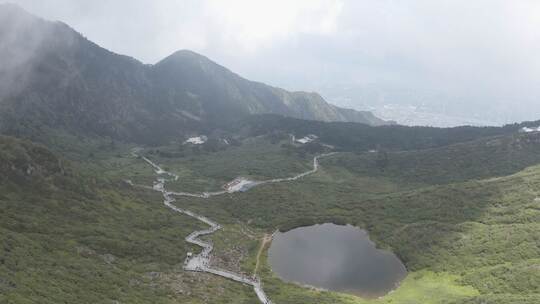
218 91
51 76
61 80
69 235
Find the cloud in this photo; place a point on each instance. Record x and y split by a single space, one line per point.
478 52
147 29
249 25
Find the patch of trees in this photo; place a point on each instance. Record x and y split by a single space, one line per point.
361 137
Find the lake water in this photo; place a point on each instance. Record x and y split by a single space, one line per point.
338 258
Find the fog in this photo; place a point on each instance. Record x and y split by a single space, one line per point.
444 62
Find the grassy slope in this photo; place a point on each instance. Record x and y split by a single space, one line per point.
67 238
256 158
480 234
482 158
460 240
466 237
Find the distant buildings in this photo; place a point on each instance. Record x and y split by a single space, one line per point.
199 140
239 184
529 130
307 139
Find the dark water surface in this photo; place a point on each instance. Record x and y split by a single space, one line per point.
338 258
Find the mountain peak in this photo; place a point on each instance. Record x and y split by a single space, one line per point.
58 78
12 7
186 56
13 14
17 24
186 53
187 61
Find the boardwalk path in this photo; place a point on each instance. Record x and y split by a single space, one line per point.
201 261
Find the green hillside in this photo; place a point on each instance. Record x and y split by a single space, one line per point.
75 230
466 236
79 238
80 222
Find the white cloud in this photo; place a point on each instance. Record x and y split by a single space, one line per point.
151 29
248 24
481 49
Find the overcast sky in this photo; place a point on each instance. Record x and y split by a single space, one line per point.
482 51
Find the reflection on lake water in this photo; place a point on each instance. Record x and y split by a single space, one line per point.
338 258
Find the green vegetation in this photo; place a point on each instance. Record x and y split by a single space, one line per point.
459 206
117 96
75 232
360 137
255 158
67 238
482 158
419 287
477 239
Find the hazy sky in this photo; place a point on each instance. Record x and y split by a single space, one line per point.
482 51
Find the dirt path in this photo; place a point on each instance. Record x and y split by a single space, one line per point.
265 241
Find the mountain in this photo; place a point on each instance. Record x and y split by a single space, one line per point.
53 77
217 90
79 222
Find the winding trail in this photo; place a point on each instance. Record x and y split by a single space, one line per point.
201 262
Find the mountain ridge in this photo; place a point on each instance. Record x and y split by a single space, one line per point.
57 78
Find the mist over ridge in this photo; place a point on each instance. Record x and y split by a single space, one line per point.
419 62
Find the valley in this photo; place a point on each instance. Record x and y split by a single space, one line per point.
200 262
123 182
437 227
